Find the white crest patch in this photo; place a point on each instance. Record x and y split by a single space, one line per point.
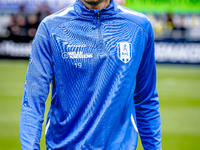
124 51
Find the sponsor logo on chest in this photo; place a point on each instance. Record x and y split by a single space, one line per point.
76 52
74 55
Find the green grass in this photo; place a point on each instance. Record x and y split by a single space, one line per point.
179 92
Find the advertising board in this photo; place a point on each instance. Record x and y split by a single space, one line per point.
162 6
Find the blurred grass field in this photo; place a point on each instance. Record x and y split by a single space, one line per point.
179 92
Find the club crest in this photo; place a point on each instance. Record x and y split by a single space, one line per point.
124 51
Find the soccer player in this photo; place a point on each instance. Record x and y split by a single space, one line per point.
99 58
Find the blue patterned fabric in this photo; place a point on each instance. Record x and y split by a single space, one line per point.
102 69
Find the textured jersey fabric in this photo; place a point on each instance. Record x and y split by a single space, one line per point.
102 69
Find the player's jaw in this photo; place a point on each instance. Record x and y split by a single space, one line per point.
92 2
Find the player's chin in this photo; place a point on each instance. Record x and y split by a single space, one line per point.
92 2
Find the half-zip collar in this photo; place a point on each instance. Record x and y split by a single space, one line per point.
84 12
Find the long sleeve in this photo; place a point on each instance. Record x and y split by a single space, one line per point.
146 99
36 89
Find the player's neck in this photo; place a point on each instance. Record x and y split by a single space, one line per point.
102 4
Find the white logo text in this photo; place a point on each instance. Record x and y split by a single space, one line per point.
74 55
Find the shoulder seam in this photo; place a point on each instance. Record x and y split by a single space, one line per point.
135 23
62 13
132 12
136 14
65 12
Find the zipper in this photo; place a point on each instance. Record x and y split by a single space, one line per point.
100 34
98 15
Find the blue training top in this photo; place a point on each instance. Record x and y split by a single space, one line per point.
102 68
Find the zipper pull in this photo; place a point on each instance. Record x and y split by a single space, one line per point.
98 15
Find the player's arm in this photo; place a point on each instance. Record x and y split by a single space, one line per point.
36 89
146 99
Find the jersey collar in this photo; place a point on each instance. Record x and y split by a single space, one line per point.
84 12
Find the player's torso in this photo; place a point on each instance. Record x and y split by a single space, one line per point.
95 67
